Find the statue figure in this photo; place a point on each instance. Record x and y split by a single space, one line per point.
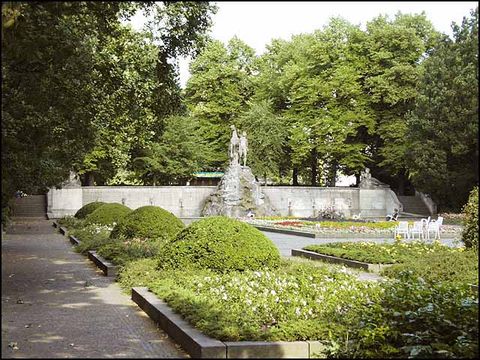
243 147
369 182
73 181
365 178
234 141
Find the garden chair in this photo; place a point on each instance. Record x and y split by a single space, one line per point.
402 228
425 223
434 226
417 228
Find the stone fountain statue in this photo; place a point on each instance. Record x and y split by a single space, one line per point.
238 193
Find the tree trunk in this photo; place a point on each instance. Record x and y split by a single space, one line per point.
295 176
357 179
89 179
314 167
333 174
401 183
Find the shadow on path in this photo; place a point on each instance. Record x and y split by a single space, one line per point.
56 303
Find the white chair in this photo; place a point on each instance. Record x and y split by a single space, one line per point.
402 228
425 223
417 228
435 226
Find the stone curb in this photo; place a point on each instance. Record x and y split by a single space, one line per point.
285 231
199 345
74 240
63 230
55 224
107 267
334 259
192 340
323 235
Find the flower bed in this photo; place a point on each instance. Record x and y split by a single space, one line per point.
375 253
341 227
299 301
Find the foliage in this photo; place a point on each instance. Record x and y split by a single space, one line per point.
148 223
87 209
374 253
107 214
443 126
178 154
218 91
220 244
298 301
452 218
439 266
91 236
470 222
267 138
121 251
71 222
416 319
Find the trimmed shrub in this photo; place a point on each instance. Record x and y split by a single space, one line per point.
470 222
220 244
88 209
148 223
107 214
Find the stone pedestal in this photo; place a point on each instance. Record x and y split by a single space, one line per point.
236 194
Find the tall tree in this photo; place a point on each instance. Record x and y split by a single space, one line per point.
442 132
393 50
218 91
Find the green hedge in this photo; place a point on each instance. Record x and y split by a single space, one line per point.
470 223
88 209
148 222
107 214
459 267
221 244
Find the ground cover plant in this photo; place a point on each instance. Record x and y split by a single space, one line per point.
442 265
70 222
221 244
470 211
383 253
404 317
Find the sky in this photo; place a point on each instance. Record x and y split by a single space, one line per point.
258 22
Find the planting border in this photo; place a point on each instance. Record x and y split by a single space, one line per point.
107 267
198 345
337 260
339 235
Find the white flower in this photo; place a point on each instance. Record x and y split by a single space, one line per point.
297 311
273 292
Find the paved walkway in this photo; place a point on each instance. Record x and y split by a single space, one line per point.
55 303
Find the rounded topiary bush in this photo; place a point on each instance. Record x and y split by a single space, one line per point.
148 222
220 244
88 209
107 214
470 222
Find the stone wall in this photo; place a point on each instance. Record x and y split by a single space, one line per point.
188 201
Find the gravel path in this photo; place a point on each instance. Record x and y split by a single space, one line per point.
55 303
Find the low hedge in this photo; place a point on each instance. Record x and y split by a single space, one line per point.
221 244
148 222
379 253
86 210
107 214
460 267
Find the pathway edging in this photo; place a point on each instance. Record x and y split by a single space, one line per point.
198 345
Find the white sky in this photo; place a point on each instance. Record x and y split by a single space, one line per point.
258 22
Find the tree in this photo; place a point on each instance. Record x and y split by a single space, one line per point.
179 153
394 50
442 128
218 91
267 136
46 88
